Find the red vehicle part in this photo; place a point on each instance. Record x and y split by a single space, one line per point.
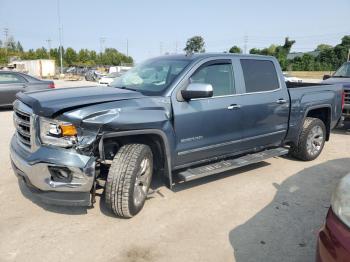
334 241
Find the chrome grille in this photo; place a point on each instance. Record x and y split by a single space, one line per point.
22 122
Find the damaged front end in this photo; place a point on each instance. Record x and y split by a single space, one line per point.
63 161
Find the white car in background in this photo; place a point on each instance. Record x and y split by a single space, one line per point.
108 79
289 78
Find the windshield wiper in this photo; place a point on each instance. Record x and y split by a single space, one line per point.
127 88
342 76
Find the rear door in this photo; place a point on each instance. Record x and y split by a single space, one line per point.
264 104
10 85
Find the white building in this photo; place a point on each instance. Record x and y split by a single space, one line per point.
38 67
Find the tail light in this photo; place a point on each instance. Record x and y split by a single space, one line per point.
343 100
52 85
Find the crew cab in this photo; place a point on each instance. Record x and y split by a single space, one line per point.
181 117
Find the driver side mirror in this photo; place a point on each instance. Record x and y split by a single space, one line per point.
197 90
326 77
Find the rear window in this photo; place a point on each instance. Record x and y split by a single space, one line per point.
259 75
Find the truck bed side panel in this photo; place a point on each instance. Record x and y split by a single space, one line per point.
304 99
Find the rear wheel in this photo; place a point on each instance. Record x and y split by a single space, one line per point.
128 179
311 140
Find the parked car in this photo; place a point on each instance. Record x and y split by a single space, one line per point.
12 82
289 78
93 75
334 239
108 79
182 117
342 76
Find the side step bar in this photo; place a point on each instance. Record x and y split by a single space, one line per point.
230 164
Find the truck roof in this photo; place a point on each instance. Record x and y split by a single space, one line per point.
197 56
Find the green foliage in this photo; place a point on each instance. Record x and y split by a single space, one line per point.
195 45
83 57
278 51
329 58
70 56
235 49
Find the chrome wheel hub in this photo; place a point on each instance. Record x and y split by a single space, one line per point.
315 141
142 182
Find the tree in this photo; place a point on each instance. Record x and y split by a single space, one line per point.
11 43
278 51
19 47
235 49
195 44
322 47
41 53
70 56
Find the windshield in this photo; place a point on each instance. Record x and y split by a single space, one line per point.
343 71
152 77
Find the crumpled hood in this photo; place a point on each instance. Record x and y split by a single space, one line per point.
51 102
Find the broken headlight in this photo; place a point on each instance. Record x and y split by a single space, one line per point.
57 133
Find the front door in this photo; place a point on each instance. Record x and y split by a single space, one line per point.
208 127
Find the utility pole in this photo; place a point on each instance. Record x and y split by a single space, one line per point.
176 46
245 44
102 44
49 46
60 34
349 55
6 33
127 47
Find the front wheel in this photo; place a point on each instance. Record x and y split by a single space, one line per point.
128 179
311 140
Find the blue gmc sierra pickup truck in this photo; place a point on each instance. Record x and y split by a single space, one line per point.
181 117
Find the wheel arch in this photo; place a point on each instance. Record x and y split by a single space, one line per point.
322 112
154 138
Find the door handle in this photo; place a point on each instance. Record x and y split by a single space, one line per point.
233 106
281 101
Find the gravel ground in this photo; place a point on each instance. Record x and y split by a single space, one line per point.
269 211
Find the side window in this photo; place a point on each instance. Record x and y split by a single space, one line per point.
259 75
220 76
10 78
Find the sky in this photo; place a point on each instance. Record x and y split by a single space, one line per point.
154 27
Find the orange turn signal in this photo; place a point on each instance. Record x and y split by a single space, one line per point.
68 130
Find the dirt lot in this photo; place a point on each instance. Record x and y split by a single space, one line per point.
270 211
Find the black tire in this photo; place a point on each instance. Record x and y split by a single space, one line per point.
121 194
301 151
